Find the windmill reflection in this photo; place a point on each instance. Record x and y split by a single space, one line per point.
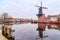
41 28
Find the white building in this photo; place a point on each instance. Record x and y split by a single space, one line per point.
53 18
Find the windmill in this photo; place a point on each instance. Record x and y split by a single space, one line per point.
40 13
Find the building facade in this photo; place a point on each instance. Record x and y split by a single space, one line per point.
53 18
42 18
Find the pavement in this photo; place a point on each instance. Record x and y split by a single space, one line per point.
2 37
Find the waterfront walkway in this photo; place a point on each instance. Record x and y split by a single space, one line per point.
2 37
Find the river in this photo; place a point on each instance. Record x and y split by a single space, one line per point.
36 32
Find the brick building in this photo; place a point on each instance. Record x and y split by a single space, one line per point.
42 18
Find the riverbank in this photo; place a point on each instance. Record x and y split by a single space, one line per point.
2 37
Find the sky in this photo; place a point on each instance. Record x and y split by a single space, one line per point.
27 9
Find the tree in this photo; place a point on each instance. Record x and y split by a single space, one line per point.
4 15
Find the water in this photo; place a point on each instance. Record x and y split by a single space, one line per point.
36 32
25 31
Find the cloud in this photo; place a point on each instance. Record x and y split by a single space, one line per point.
26 8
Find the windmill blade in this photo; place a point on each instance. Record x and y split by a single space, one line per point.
37 6
44 7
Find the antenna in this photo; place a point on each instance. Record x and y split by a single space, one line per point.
41 3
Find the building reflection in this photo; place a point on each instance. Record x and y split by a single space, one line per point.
41 29
7 32
54 27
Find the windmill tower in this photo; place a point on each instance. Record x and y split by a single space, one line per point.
40 14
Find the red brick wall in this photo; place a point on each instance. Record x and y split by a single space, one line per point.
42 18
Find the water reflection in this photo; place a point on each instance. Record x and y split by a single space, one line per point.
54 27
7 31
41 29
28 31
